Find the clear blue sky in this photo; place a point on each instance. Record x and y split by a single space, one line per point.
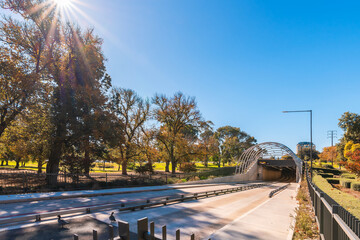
244 60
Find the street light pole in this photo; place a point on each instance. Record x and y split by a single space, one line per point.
311 144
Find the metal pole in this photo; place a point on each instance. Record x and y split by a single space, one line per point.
311 146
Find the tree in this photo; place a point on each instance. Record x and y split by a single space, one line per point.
350 124
352 155
328 154
132 112
286 157
233 142
208 146
304 154
176 115
69 59
18 83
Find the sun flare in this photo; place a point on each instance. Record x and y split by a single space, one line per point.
63 3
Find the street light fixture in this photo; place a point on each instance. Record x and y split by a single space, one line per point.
311 144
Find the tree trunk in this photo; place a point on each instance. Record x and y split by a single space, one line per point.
87 157
2 162
17 163
123 167
167 169
7 162
52 168
39 167
173 167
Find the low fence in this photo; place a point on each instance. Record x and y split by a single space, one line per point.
24 181
145 231
335 222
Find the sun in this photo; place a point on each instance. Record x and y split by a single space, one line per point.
63 3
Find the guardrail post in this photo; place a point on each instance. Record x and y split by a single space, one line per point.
334 225
357 227
95 235
192 237
164 232
111 232
124 230
143 229
321 213
106 179
177 234
152 230
76 237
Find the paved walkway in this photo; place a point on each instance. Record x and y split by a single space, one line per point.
270 220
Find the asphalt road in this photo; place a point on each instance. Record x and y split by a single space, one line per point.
203 217
38 207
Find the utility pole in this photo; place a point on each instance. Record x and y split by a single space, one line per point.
332 134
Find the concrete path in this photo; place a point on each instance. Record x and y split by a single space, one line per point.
270 220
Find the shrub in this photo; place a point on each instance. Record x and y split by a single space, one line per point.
328 166
348 176
144 169
355 186
326 175
333 180
345 182
327 170
188 167
194 178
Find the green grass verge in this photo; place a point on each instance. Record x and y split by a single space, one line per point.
347 201
305 226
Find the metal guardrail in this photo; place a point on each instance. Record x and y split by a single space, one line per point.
335 222
150 202
272 193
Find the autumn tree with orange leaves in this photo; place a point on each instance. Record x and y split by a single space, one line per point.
352 154
328 154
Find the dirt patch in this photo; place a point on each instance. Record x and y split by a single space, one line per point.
347 190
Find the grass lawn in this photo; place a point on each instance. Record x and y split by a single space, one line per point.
349 202
113 167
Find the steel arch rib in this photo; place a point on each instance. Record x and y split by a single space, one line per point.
252 154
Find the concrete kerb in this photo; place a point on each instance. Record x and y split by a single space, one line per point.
293 222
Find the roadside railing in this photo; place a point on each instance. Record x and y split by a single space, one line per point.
334 221
145 231
273 192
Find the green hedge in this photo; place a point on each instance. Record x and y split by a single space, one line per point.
345 182
326 170
355 186
349 202
333 180
326 175
348 176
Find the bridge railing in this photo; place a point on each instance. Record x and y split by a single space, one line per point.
334 221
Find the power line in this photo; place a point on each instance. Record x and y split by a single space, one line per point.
332 134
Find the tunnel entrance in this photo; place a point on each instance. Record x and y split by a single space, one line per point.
277 170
